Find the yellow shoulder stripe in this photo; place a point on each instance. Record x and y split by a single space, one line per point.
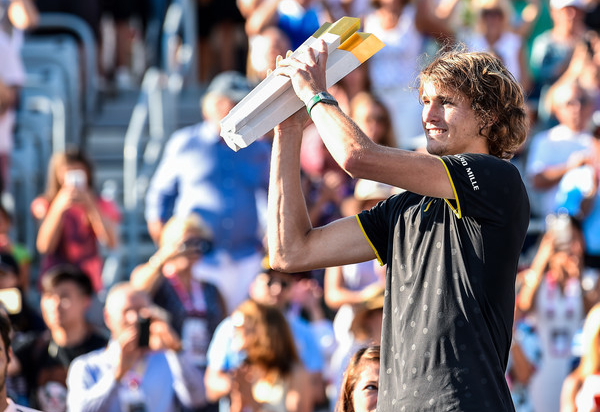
369 240
456 209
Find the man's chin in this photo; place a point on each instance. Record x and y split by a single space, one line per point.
433 148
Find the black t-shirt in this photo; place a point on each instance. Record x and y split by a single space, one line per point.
43 361
449 302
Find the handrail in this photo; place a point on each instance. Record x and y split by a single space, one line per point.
82 30
180 56
156 109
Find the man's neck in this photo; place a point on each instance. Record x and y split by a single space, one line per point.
70 336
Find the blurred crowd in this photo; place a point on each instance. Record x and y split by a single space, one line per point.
205 324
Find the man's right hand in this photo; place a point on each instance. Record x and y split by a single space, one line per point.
130 350
307 71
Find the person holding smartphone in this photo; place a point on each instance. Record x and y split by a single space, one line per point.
142 369
74 220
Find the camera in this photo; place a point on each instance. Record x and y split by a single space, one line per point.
560 225
144 331
76 178
196 245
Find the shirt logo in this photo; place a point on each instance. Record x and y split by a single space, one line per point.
469 171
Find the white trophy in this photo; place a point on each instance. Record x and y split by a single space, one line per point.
274 99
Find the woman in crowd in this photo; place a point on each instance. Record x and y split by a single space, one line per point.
272 378
361 382
74 220
581 389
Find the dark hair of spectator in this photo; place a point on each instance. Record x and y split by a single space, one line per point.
67 273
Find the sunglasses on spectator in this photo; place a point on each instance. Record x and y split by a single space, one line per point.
196 245
576 100
492 13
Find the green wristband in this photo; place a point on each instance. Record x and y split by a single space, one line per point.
323 97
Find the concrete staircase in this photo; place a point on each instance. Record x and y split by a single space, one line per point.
104 142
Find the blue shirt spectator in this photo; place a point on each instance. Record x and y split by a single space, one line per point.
199 173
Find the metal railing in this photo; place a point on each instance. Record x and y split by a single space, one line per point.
153 120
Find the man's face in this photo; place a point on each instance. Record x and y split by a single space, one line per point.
124 311
273 288
572 108
64 305
451 125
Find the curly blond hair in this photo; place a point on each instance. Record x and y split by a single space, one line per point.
496 96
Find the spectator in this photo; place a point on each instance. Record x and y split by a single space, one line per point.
552 295
133 373
195 307
581 389
199 173
299 19
524 359
361 382
493 34
555 151
44 359
6 404
26 320
122 13
373 118
403 26
73 218
552 50
270 288
17 250
578 193
364 330
272 376
167 276
221 38
264 48
584 67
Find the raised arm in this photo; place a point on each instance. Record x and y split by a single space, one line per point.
294 245
358 155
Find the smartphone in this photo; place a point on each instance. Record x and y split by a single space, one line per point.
76 178
144 331
10 299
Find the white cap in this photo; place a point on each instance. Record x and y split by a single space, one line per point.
559 4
